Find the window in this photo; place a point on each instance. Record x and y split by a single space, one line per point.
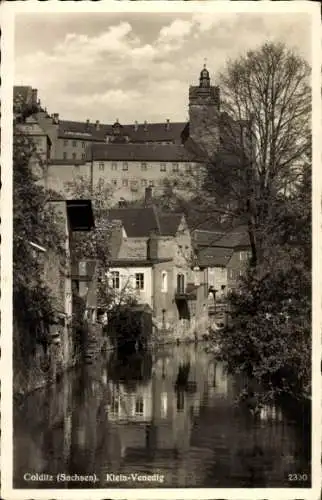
139 281
180 283
83 156
114 182
244 255
82 268
143 166
115 405
83 145
74 144
65 142
139 405
101 166
163 167
116 280
83 288
64 155
180 401
74 156
114 166
164 281
125 182
151 183
179 252
188 168
125 165
175 167
143 182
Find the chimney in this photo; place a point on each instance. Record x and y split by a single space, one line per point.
136 126
97 124
167 125
34 98
145 126
87 124
56 118
148 196
152 246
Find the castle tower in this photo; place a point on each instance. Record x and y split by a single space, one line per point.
204 109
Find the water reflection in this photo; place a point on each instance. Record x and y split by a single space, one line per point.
170 415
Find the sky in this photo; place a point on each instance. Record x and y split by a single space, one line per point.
137 66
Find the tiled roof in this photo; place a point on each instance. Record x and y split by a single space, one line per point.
151 132
141 222
137 222
82 130
155 132
169 223
204 238
238 237
214 256
140 152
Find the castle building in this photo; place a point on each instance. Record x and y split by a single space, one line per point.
134 156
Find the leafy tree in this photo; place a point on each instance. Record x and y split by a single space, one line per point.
93 245
272 339
34 221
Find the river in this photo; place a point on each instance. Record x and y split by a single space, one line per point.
132 427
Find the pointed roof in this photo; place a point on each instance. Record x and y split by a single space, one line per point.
143 221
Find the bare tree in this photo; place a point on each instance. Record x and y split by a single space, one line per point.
264 136
264 140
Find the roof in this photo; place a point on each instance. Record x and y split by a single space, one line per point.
137 133
136 262
214 256
141 222
206 238
169 223
137 222
141 152
68 163
238 237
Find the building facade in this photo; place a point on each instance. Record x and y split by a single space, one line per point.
153 263
132 157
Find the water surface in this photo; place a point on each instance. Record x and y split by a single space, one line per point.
128 424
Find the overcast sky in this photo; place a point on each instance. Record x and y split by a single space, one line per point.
137 66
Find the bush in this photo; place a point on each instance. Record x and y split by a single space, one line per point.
271 338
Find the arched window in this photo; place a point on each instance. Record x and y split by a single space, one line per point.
164 281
